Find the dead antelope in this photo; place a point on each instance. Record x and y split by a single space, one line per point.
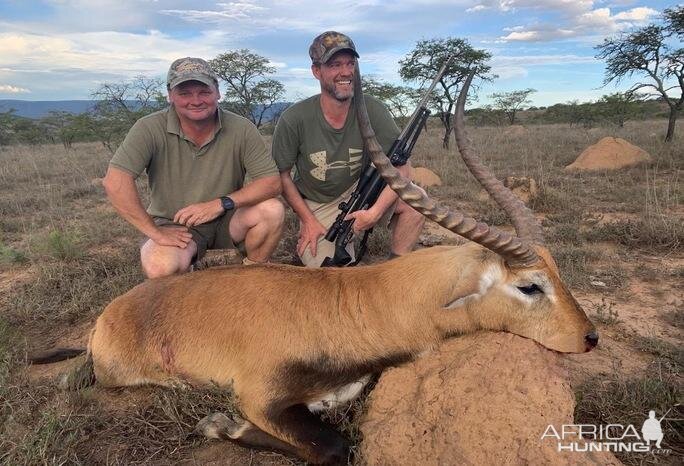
289 339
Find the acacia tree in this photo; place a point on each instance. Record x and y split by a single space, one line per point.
6 126
400 100
119 105
619 107
249 92
509 103
423 63
648 52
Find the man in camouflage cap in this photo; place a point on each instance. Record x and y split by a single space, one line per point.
320 137
196 157
190 69
328 44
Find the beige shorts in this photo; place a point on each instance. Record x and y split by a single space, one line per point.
326 213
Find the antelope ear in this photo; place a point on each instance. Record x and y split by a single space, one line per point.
461 297
460 302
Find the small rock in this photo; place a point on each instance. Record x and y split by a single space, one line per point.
425 177
522 186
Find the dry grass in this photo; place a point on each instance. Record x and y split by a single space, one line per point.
64 254
618 399
605 313
625 400
77 428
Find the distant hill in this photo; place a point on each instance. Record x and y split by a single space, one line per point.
41 108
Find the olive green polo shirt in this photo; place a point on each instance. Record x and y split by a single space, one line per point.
181 173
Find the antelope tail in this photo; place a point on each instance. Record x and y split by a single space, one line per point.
55 355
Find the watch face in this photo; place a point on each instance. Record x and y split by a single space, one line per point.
227 203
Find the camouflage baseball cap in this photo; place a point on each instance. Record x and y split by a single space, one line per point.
328 44
190 69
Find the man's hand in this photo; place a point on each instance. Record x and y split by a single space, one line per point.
172 236
308 236
197 214
363 219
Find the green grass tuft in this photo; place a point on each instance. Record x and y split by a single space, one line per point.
10 255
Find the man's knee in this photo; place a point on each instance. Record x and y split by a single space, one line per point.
272 212
157 263
159 269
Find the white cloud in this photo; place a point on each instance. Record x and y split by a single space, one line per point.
295 15
509 72
73 65
524 35
102 52
547 5
543 33
596 18
477 8
278 64
575 19
384 64
514 67
639 14
226 11
9 89
531 60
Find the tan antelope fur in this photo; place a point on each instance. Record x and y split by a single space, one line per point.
286 337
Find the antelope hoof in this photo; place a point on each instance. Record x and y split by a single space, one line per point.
220 426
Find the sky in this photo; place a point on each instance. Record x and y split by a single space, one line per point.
65 49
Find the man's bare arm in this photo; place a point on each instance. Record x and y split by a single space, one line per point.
251 194
366 219
123 194
257 191
311 228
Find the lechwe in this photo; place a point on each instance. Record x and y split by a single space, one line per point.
289 340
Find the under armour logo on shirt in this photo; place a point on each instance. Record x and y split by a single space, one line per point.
322 167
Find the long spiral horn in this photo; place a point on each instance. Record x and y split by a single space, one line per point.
514 251
526 226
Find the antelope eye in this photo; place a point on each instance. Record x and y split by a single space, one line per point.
531 289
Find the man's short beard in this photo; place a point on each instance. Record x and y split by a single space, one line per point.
338 96
345 97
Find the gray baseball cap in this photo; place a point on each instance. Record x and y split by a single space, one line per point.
190 69
328 44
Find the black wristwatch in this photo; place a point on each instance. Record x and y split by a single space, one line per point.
227 203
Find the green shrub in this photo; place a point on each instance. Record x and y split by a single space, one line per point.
10 255
59 244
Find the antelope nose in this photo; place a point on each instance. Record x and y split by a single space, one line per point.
591 339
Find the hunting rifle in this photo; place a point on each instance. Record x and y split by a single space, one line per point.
370 184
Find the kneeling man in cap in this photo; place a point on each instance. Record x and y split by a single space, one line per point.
197 157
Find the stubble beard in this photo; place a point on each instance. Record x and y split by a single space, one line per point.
339 95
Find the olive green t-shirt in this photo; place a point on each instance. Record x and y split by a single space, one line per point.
327 160
181 173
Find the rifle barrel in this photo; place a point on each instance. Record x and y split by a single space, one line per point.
426 96
370 183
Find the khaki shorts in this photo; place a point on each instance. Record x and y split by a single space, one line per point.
210 235
326 213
